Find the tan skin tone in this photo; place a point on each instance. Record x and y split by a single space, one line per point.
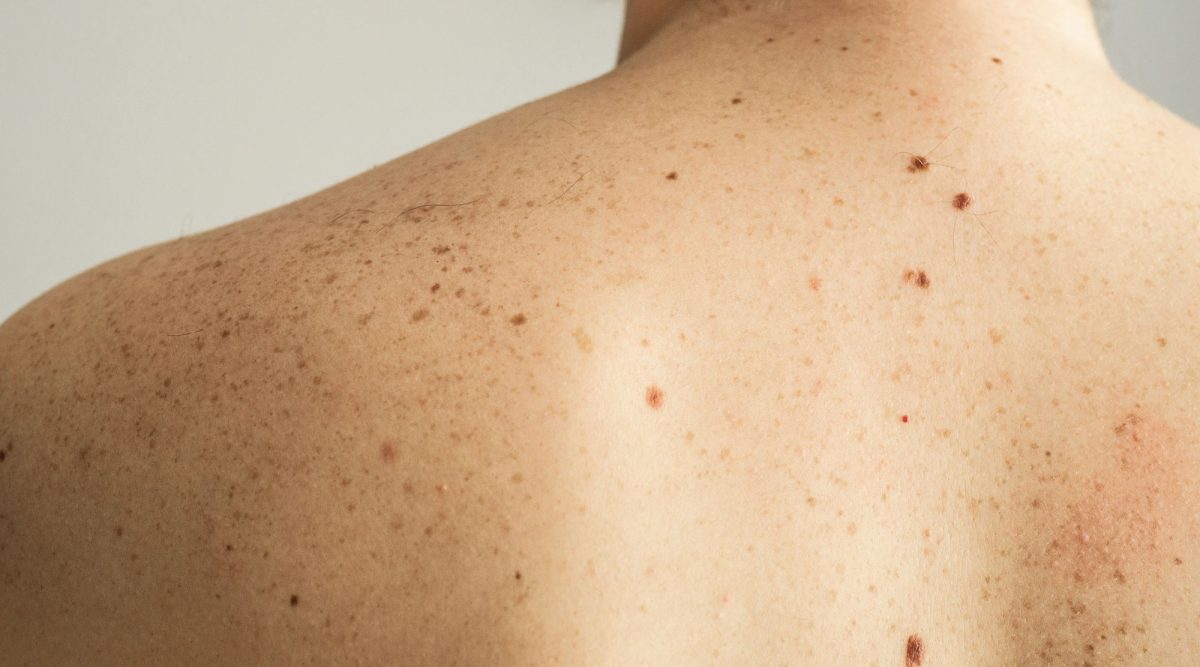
692 364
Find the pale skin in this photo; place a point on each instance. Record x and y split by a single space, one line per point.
692 364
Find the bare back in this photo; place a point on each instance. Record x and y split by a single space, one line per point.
681 366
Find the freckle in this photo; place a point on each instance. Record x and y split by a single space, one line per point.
330 278
119 531
435 288
814 282
961 201
229 547
922 280
918 163
316 379
654 396
518 319
852 529
503 203
845 48
817 40
407 487
295 600
225 333
460 291
582 340
516 478
1178 560
1162 342
673 176
736 100
420 315
441 249
914 651
997 60
996 336
388 452
518 575
770 39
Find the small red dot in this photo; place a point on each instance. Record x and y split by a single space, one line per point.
904 419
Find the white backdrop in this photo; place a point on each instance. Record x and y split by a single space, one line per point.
127 122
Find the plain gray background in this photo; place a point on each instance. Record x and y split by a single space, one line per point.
125 123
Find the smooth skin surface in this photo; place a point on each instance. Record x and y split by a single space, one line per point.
695 363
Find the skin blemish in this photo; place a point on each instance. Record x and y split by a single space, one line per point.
582 340
918 277
518 577
295 600
387 451
673 176
736 100
435 288
518 319
1121 518
420 315
922 163
654 396
962 201
441 249
904 418
997 60
914 651
814 283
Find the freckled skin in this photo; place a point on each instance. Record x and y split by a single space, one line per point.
776 482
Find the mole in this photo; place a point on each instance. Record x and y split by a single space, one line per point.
673 176
961 201
914 651
295 600
654 397
736 100
919 277
904 418
918 163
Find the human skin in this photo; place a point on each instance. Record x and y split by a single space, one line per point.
695 363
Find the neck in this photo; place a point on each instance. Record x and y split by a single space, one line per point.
929 26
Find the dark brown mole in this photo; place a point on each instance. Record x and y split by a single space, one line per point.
961 201
736 100
654 396
295 600
997 60
518 575
673 176
918 163
914 651
518 319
